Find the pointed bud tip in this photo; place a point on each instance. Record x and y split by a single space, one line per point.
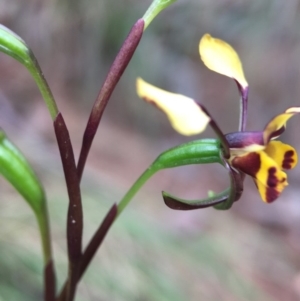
13 45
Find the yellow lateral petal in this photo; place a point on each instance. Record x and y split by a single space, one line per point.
269 194
220 57
277 125
185 115
283 154
268 176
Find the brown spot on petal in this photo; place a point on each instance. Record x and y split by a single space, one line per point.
151 101
288 160
272 179
249 164
271 194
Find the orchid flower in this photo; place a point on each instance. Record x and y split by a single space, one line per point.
254 153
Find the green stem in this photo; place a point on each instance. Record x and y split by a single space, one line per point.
154 9
36 72
43 221
148 173
14 46
203 151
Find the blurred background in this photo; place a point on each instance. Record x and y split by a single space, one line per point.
250 252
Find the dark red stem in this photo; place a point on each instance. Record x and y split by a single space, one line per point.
75 215
114 74
49 277
93 245
244 92
218 131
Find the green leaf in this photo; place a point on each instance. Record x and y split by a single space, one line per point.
17 171
203 151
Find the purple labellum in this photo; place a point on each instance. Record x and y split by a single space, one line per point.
244 139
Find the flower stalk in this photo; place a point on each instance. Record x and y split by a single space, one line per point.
205 151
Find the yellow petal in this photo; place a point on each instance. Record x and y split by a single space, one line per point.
185 115
220 57
283 154
268 176
277 125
